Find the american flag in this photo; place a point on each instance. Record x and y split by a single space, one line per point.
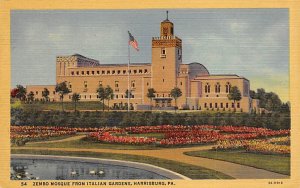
133 42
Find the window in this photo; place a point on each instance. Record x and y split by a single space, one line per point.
226 105
163 80
221 105
124 71
181 83
140 71
238 105
179 54
103 72
145 71
113 72
90 96
163 52
119 71
207 88
108 72
147 83
133 84
117 96
100 83
82 72
72 73
93 72
232 105
205 105
70 85
88 72
210 105
216 105
135 71
163 67
98 72
36 92
85 84
53 92
228 86
116 83
217 88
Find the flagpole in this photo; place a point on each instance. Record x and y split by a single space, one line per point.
128 85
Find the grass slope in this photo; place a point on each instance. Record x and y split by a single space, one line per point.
274 163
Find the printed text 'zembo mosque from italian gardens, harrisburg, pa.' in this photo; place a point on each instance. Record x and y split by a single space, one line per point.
200 89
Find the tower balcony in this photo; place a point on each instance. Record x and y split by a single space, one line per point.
166 38
166 41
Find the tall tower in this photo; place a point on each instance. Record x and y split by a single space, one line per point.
166 57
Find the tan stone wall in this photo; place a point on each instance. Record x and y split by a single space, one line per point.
38 89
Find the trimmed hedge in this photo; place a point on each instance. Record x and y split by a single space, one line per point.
124 119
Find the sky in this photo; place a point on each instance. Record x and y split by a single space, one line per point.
253 43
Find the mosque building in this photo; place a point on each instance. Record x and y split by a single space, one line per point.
200 89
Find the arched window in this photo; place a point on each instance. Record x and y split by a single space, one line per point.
217 88
228 86
207 88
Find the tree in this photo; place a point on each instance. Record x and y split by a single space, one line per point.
21 94
151 95
109 94
128 94
75 99
14 92
268 100
62 89
176 93
45 94
234 94
30 97
101 95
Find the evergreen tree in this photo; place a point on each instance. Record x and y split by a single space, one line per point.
45 94
75 99
109 94
235 95
176 93
151 95
62 89
101 95
30 97
21 93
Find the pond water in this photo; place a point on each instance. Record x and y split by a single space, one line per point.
51 169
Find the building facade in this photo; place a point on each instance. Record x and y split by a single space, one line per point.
200 89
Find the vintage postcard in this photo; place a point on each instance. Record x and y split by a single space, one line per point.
149 94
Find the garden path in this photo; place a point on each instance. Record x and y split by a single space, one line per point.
77 137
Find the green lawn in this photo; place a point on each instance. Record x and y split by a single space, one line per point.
274 163
89 144
154 135
83 143
191 171
92 105
53 138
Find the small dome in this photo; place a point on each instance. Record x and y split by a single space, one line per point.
197 69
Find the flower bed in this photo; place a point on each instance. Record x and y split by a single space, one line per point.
265 146
226 137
